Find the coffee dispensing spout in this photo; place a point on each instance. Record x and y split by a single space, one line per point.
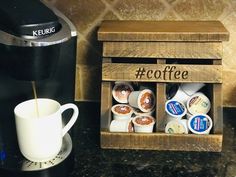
30 34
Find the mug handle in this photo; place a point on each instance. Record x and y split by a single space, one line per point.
73 117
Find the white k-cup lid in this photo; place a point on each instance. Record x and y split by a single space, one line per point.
200 124
175 108
176 127
198 104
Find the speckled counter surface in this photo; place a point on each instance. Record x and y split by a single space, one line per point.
92 161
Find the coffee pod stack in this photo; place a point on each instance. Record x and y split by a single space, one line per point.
141 104
175 112
198 106
187 111
122 112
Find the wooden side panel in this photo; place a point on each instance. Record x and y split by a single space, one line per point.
106 102
193 50
162 31
161 73
162 141
160 103
217 105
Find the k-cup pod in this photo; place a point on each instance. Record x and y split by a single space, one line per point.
121 91
174 110
143 124
186 90
177 127
121 112
200 124
138 112
171 90
121 126
198 104
144 100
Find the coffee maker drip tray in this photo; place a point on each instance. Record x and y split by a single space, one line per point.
61 156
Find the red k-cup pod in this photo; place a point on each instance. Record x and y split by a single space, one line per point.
122 111
144 100
121 91
143 124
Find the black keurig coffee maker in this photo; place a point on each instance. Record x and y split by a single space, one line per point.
37 43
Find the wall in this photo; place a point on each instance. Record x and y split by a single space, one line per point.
88 14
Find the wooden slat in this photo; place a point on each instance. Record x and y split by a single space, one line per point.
160 103
217 106
106 102
162 31
193 50
162 141
160 73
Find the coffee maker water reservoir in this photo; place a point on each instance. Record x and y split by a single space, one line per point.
37 43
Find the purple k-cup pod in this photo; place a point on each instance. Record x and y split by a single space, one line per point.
200 124
174 110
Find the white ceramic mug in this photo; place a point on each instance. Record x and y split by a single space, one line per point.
40 136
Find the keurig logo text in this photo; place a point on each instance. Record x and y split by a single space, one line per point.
43 32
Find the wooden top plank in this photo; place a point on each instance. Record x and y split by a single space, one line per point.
114 30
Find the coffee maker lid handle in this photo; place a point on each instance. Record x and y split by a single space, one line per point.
28 18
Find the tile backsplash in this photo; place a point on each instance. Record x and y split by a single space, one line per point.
87 15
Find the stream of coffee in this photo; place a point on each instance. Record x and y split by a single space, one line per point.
36 98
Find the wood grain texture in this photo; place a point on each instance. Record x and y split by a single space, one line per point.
160 103
161 141
162 31
193 50
156 73
217 105
162 41
106 102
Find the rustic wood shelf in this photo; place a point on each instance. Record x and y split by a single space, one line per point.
195 51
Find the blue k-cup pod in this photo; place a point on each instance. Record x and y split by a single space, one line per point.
175 110
200 124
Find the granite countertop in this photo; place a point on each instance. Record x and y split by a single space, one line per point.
92 161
